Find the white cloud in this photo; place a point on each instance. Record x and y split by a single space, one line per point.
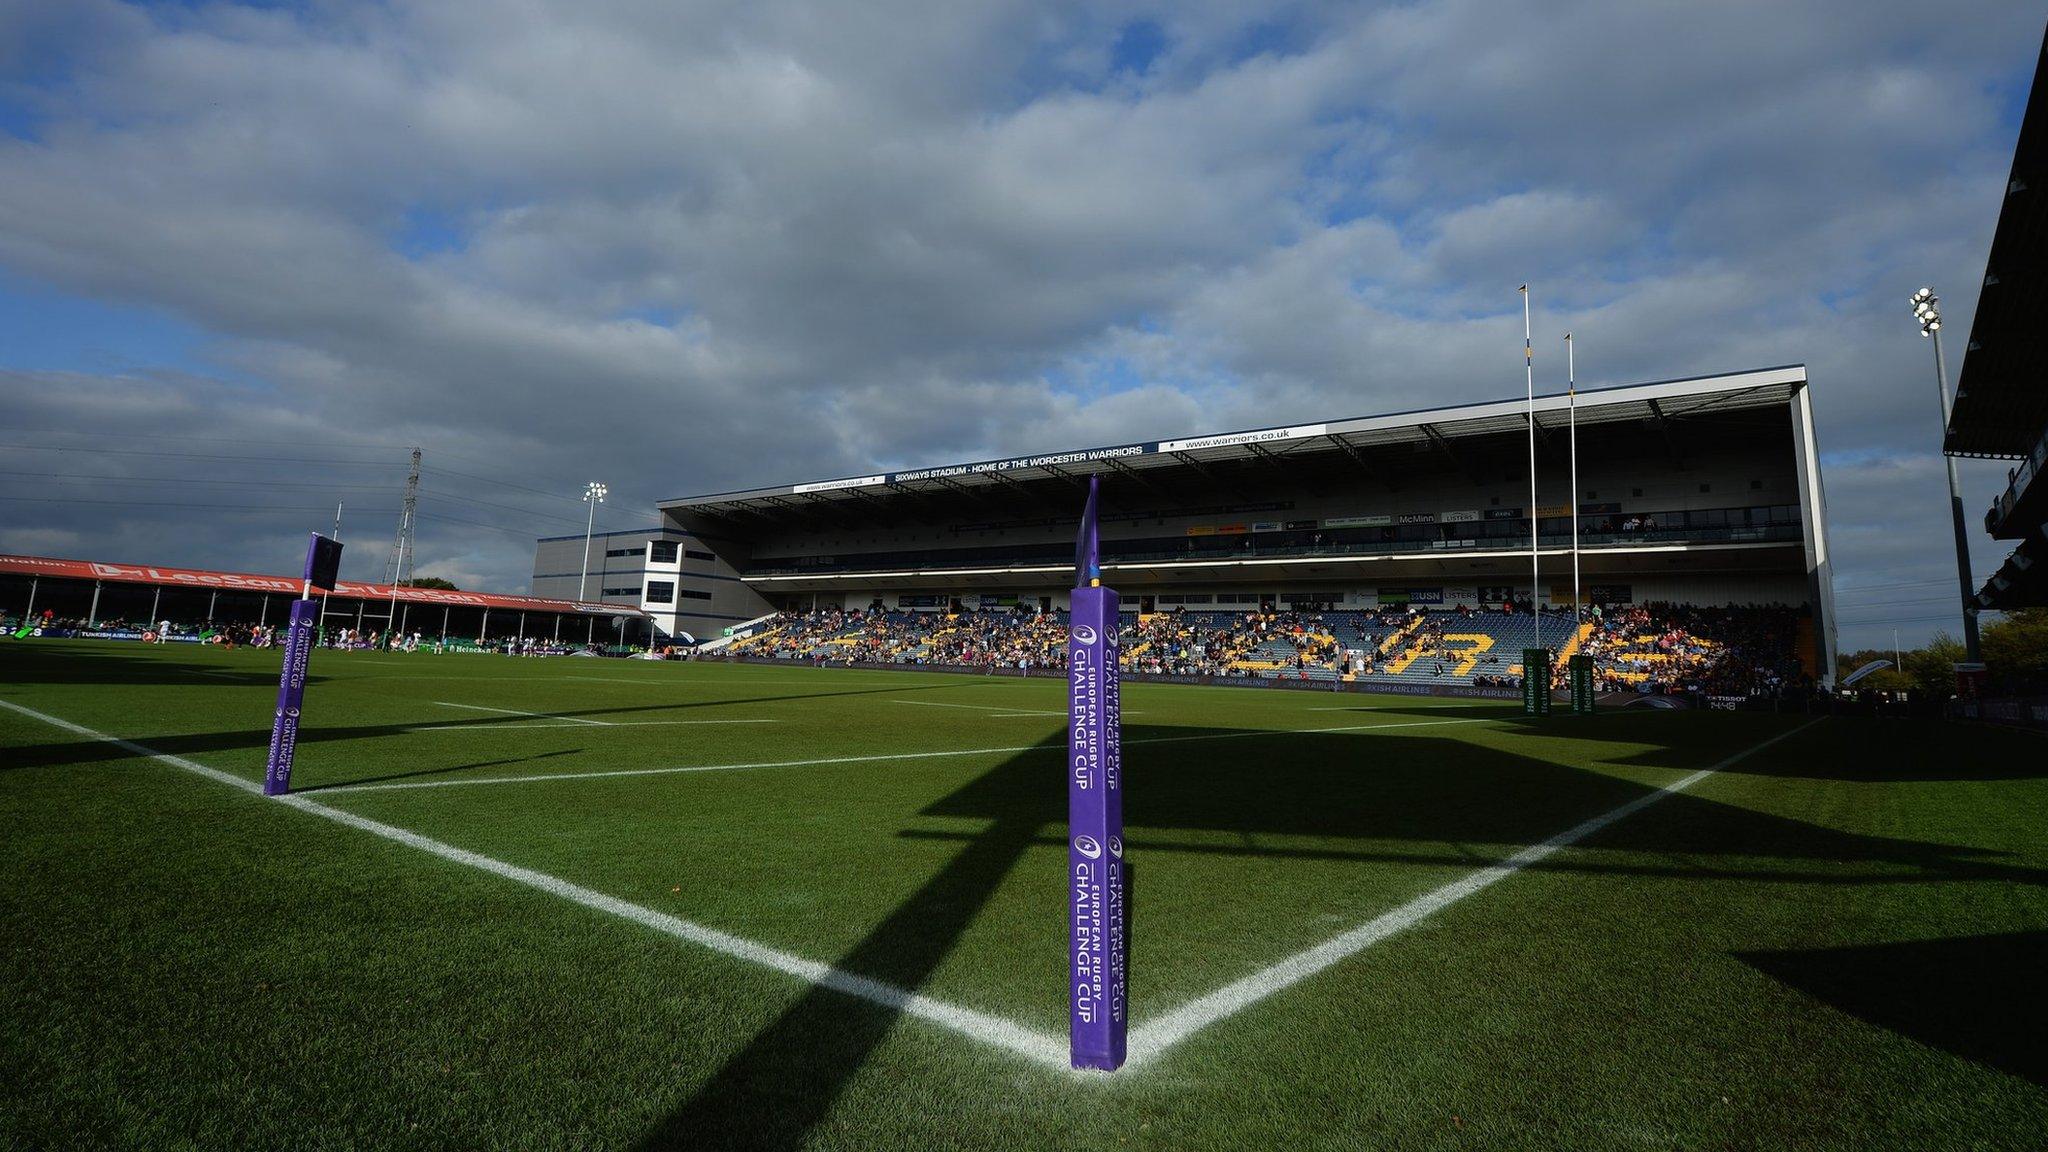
697 246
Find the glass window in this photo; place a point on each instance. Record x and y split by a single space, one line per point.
661 592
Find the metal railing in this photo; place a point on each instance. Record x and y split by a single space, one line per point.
2016 485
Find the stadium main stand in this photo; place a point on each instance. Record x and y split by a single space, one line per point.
2001 408
1388 549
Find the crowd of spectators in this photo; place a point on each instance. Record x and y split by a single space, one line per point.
248 634
1652 648
1747 651
1184 644
235 634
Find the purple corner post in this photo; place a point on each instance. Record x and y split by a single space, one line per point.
323 558
291 695
1100 1016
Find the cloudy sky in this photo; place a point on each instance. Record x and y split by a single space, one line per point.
249 253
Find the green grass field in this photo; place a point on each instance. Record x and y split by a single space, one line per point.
577 903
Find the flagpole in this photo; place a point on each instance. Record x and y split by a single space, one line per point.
1535 565
1571 392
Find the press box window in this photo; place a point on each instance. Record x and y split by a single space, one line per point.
696 555
689 594
622 552
662 552
622 591
661 592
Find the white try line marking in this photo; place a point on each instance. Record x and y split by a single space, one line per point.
988 709
972 707
1156 1036
1370 708
1146 1042
873 759
1041 1049
529 715
522 726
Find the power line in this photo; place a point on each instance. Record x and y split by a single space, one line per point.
1840 592
198 455
440 518
164 504
1935 599
157 454
93 477
506 484
492 504
255 483
97 434
1876 620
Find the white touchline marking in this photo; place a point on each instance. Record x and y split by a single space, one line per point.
983 708
880 757
1034 1046
516 726
1156 1036
1366 708
986 708
532 715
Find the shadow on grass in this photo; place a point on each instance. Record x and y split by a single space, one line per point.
1978 997
443 771
88 751
1861 749
1415 785
35 663
782 1085
1867 750
1408 786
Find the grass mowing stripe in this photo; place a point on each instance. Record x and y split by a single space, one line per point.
515 726
613 774
130 746
989 709
1154 1038
991 1030
529 715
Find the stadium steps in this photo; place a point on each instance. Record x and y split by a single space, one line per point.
1400 635
758 638
1578 639
1477 644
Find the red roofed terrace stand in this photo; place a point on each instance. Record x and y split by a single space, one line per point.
98 592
